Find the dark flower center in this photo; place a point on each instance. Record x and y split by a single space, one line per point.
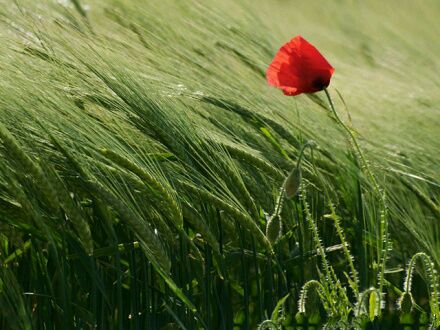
320 83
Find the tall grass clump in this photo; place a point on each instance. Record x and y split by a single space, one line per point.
150 179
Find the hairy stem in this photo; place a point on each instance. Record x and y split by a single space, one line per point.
383 243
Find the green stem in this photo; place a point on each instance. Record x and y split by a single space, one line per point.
301 153
383 212
279 203
280 200
339 231
354 141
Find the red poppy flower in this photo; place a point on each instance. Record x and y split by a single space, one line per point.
299 67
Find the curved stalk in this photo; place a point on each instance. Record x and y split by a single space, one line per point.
349 131
383 211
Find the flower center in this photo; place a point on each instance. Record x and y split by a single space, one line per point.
319 83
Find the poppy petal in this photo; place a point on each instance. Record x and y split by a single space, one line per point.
298 67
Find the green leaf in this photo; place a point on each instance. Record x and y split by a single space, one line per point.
278 307
274 142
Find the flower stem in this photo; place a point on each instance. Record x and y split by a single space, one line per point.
383 209
309 144
354 142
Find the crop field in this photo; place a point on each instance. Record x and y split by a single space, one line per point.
150 178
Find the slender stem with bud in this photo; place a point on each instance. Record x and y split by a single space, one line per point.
274 224
309 144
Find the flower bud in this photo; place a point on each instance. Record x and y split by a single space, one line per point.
274 228
292 183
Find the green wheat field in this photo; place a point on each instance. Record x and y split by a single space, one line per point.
143 156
